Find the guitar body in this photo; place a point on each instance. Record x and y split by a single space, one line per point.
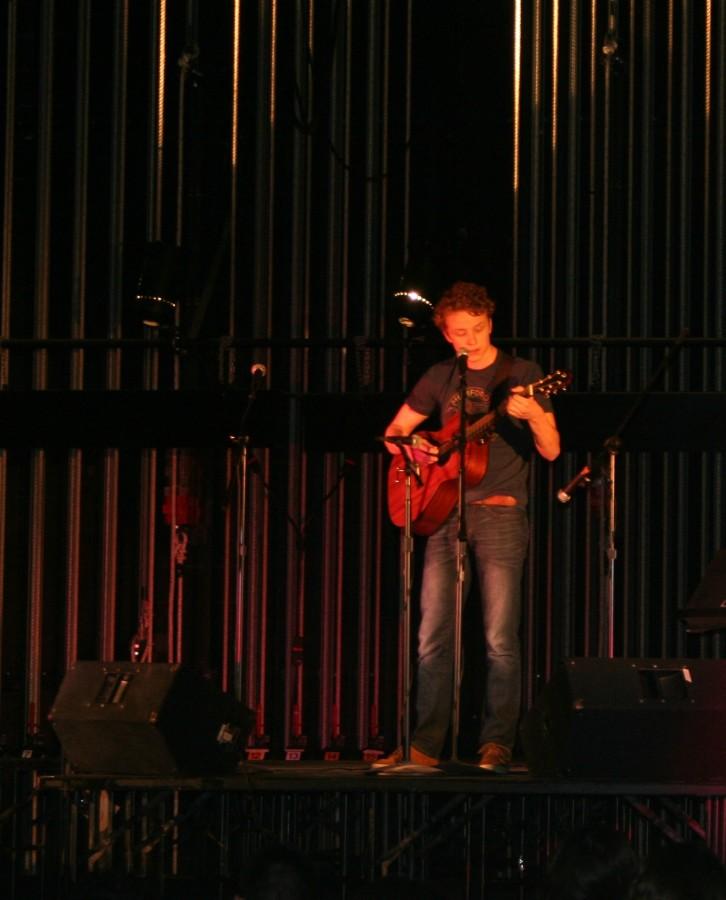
436 494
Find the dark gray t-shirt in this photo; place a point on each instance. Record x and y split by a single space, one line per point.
437 393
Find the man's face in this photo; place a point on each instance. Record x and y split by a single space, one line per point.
469 333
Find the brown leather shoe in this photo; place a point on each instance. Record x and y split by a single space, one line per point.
495 758
396 758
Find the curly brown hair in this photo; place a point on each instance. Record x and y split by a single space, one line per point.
463 295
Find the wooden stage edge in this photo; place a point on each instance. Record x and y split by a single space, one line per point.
355 777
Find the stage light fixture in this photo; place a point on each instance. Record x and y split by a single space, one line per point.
412 308
411 302
156 298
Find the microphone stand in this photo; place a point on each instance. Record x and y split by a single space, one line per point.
607 632
410 469
461 552
240 470
611 447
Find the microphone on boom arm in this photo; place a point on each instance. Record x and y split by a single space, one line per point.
564 495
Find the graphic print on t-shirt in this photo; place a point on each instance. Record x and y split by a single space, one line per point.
477 402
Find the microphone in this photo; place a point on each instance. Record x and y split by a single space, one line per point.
403 440
564 495
462 357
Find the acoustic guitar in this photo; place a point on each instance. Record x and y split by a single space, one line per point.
435 487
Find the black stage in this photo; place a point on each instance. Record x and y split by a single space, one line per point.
275 776
467 832
151 788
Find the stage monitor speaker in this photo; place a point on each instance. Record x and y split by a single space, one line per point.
146 719
624 719
706 610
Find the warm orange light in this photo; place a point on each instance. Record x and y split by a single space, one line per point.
236 27
162 76
555 67
517 89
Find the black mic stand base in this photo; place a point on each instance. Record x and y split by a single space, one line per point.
407 768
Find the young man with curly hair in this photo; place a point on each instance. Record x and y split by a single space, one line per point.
496 524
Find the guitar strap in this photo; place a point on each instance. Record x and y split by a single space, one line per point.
500 379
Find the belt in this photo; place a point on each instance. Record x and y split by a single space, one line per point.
496 500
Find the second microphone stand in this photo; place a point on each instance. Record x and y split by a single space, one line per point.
409 468
241 440
605 465
461 554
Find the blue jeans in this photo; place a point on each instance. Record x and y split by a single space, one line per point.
497 539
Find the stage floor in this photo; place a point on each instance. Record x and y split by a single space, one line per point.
351 776
490 834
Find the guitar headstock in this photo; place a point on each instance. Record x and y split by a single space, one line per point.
556 381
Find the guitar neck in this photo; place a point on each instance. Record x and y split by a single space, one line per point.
484 426
480 428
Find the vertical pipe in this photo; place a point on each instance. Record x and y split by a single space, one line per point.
336 324
242 611
231 618
37 534
554 149
516 144
607 300
718 77
684 158
6 284
674 311
646 160
369 564
608 114
574 173
382 469
327 611
710 322
11 76
408 86
667 174
263 318
712 223
154 204
302 190
555 255
574 291
518 252
535 161
174 562
228 562
700 488
262 315
594 323
158 113
631 172
77 325
111 459
258 599
265 169
294 646
179 461
234 162
374 289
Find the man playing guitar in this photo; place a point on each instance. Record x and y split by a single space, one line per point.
510 416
